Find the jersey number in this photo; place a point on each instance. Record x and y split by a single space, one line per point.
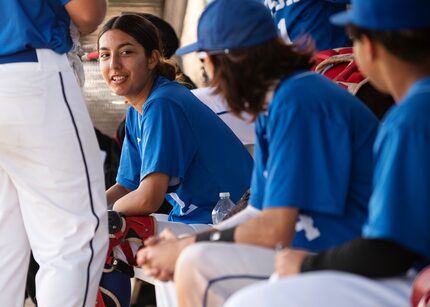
282 27
306 223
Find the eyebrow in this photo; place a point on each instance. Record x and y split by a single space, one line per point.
119 46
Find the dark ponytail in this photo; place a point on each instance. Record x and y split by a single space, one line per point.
166 68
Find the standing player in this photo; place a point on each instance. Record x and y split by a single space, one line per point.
312 173
392 46
294 18
51 175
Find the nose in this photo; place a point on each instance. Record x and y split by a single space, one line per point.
115 61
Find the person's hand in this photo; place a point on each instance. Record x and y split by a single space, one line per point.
155 257
288 261
158 258
166 234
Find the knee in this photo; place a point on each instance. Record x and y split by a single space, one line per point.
191 257
192 262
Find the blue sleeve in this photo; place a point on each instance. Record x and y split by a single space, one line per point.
168 143
339 1
399 207
129 166
309 161
258 181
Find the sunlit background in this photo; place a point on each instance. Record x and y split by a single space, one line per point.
106 109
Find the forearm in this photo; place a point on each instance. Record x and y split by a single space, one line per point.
269 229
86 14
147 198
114 193
257 233
133 204
368 257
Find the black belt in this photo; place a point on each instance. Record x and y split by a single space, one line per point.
19 57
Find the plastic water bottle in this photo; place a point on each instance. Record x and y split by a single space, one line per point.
223 206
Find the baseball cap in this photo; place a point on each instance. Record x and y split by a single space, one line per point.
232 24
385 15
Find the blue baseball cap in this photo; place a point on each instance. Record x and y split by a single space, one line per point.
230 24
385 15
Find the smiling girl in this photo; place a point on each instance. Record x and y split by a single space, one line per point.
175 147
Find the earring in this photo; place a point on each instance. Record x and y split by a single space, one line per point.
204 75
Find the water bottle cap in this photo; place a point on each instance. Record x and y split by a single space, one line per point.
224 194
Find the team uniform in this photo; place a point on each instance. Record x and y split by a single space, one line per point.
178 135
243 128
321 145
181 137
402 174
313 152
52 196
398 211
294 18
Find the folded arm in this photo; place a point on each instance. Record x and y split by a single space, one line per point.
86 14
146 199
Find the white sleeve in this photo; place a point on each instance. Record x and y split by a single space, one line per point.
243 216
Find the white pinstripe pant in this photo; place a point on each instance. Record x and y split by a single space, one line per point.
52 196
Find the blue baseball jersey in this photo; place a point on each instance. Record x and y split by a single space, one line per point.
314 153
294 18
399 208
35 24
178 135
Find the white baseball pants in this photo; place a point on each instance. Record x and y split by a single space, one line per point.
165 291
206 274
334 289
52 197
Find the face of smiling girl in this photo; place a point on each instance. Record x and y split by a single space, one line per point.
125 67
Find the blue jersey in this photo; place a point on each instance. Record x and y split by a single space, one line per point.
399 208
295 18
178 135
314 153
35 24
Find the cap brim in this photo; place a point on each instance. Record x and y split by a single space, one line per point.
189 48
341 19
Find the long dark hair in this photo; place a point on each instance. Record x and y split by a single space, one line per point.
146 34
244 76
